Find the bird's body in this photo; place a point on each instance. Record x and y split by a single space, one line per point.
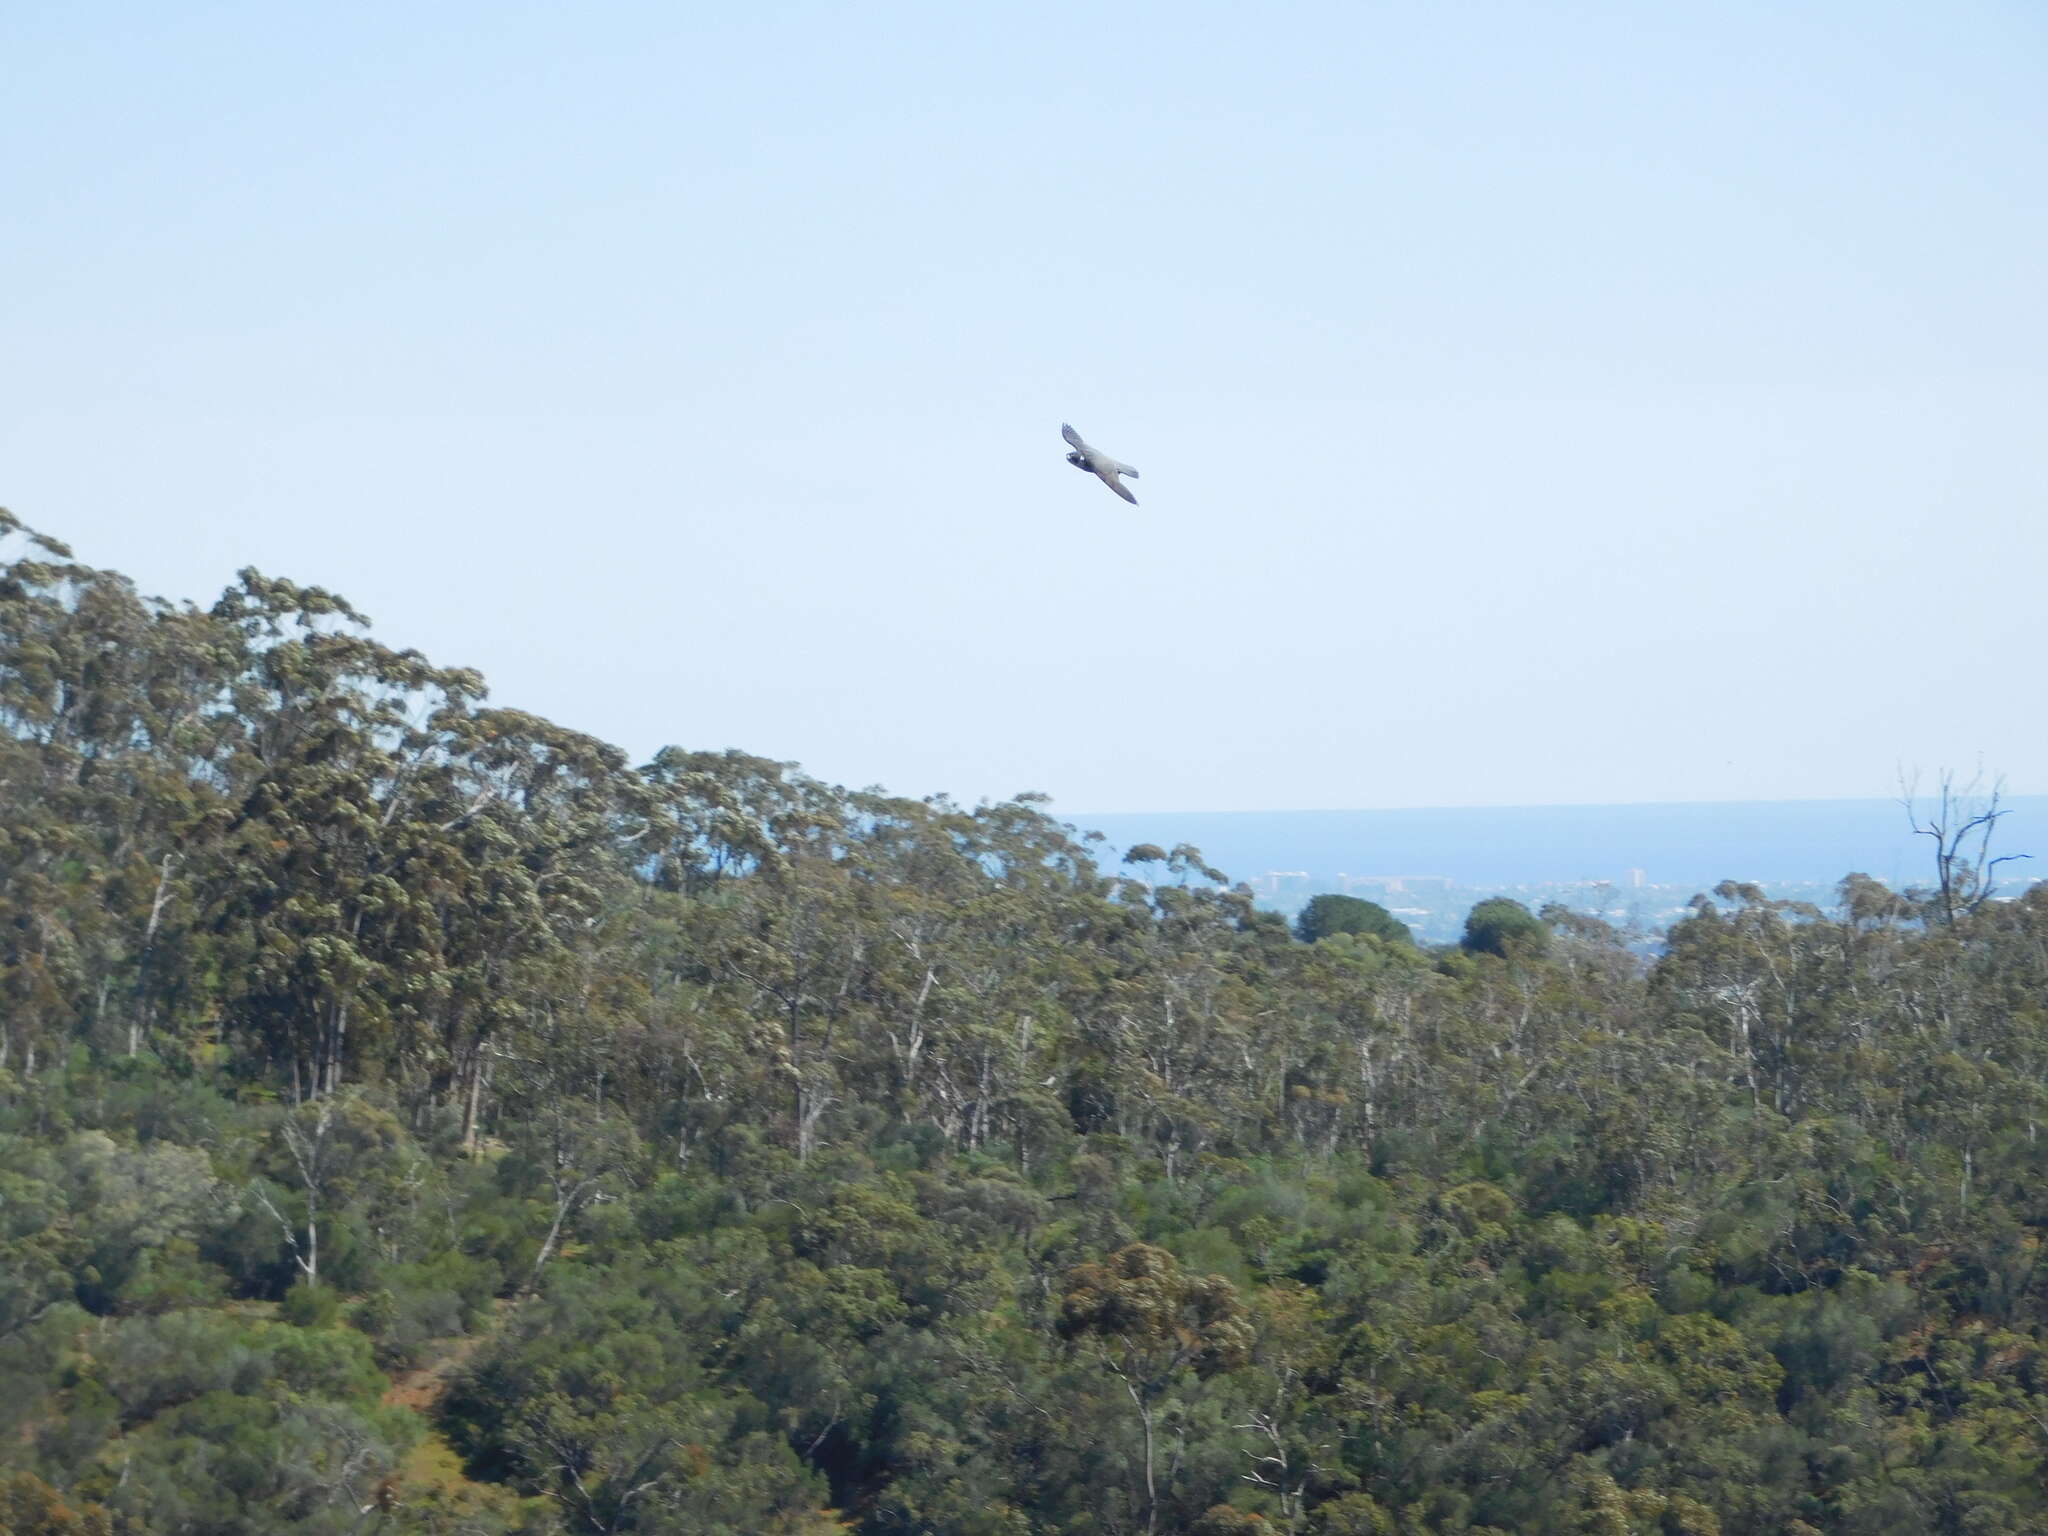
1098 464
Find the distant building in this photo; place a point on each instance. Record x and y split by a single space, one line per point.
1396 885
1635 879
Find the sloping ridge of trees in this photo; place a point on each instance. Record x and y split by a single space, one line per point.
780 1159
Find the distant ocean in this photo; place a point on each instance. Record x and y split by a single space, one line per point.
1769 842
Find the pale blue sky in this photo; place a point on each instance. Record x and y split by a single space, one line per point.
1535 402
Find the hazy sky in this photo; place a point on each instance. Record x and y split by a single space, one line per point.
1535 402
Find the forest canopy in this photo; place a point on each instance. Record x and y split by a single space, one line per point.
414 1117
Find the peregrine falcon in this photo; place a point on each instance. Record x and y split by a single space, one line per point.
1098 464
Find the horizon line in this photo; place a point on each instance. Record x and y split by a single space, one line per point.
1553 805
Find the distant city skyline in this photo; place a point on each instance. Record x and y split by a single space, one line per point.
1522 852
1629 847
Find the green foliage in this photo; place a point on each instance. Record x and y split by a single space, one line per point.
412 1118
1499 925
31 1507
1328 914
310 1306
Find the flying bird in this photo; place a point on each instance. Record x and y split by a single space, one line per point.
1098 464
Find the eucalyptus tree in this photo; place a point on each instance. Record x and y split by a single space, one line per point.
112 730
539 829
1148 1323
342 740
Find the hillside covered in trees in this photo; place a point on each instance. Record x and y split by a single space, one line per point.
415 1118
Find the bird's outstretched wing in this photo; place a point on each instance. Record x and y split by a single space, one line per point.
1108 476
1072 437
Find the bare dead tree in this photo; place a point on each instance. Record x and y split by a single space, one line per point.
1960 824
308 1146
